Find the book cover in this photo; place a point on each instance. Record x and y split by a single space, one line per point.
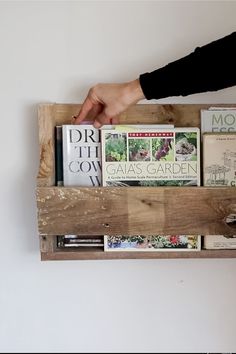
152 157
219 159
81 155
152 243
219 169
218 120
219 242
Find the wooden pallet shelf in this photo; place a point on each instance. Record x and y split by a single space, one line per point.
108 210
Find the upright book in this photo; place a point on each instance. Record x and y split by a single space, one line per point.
151 158
218 120
219 169
81 155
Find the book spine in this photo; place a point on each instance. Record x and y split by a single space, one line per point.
58 156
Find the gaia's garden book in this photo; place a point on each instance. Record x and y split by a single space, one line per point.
218 120
219 169
153 243
168 157
151 157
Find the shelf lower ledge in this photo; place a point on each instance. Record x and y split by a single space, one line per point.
101 255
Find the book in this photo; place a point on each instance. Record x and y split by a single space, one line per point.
152 243
219 242
219 159
219 169
68 241
81 155
218 119
58 156
153 157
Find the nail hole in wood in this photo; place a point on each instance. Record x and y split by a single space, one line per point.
231 220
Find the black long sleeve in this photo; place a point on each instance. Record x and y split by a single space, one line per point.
209 68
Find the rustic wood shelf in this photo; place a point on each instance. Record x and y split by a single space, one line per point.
108 210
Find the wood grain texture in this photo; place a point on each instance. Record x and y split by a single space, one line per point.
126 211
46 122
96 255
181 115
135 210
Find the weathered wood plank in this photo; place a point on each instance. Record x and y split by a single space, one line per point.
181 115
95 255
135 210
46 173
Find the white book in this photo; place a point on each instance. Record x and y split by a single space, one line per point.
219 169
81 155
219 242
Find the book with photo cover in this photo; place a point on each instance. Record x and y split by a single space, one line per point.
219 169
152 243
151 157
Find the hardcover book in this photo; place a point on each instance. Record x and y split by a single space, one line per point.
151 157
153 243
219 169
218 120
81 155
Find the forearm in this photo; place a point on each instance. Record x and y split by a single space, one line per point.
209 68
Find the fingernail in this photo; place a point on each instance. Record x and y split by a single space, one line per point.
97 124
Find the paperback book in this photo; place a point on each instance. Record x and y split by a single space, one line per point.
151 157
152 243
218 120
219 169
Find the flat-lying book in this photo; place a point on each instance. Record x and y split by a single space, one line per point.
68 241
152 243
219 242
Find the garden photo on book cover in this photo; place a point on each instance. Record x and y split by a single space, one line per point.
152 243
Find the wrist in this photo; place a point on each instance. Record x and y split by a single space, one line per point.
134 91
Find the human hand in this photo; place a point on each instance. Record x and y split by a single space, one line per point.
105 102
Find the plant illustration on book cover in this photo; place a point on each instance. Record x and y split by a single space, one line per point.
219 159
151 158
219 169
152 243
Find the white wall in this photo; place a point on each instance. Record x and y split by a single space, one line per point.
54 51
